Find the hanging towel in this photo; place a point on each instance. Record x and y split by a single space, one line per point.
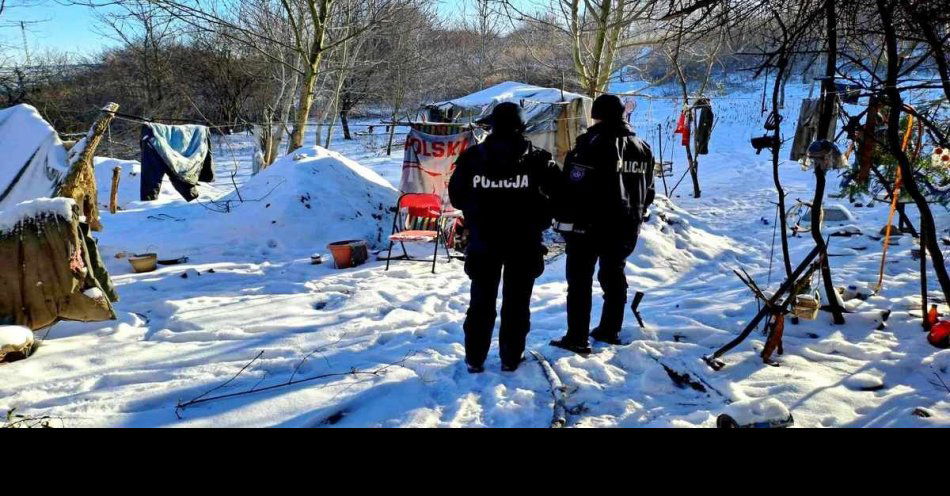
181 152
704 129
807 130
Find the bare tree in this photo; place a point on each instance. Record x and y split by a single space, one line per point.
597 31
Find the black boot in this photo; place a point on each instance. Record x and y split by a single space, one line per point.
582 349
475 369
606 338
511 367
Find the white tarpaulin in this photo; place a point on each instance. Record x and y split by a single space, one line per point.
32 157
554 118
429 161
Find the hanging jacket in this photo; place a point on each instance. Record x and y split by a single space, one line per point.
704 128
502 186
606 184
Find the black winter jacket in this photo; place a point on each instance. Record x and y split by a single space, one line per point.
607 182
502 186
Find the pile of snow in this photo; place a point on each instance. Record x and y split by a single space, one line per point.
40 207
676 239
314 194
294 207
15 339
129 180
757 410
34 159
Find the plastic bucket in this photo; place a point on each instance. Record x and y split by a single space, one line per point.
350 253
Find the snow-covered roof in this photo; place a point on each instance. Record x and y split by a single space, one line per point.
510 91
32 157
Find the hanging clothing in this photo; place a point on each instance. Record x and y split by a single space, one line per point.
704 128
181 152
682 126
807 130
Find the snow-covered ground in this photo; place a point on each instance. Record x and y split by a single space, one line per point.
248 294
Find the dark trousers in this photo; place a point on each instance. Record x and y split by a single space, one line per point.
583 253
486 272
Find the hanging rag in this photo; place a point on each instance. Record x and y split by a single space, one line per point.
704 128
181 152
807 130
682 126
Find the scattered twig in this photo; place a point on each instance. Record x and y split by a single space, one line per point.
18 421
942 382
197 399
204 398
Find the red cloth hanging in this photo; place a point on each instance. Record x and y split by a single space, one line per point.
682 127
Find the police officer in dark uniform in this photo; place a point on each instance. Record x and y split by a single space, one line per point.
602 198
501 187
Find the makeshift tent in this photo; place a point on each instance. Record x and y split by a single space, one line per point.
555 118
32 157
182 152
50 267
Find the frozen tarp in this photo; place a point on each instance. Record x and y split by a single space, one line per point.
51 266
32 157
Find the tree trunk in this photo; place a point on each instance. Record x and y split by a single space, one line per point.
824 122
693 171
305 102
320 18
777 90
392 132
928 232
345 123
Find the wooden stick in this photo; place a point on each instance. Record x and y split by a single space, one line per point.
558 391
114 195
80 181
787 286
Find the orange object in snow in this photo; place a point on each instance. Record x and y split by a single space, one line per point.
939 335
932 317
348 254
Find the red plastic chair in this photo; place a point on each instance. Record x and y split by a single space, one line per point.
418 219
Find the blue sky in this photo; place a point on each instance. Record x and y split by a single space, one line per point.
71 28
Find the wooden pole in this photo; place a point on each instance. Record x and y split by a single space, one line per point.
114 195
80 181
